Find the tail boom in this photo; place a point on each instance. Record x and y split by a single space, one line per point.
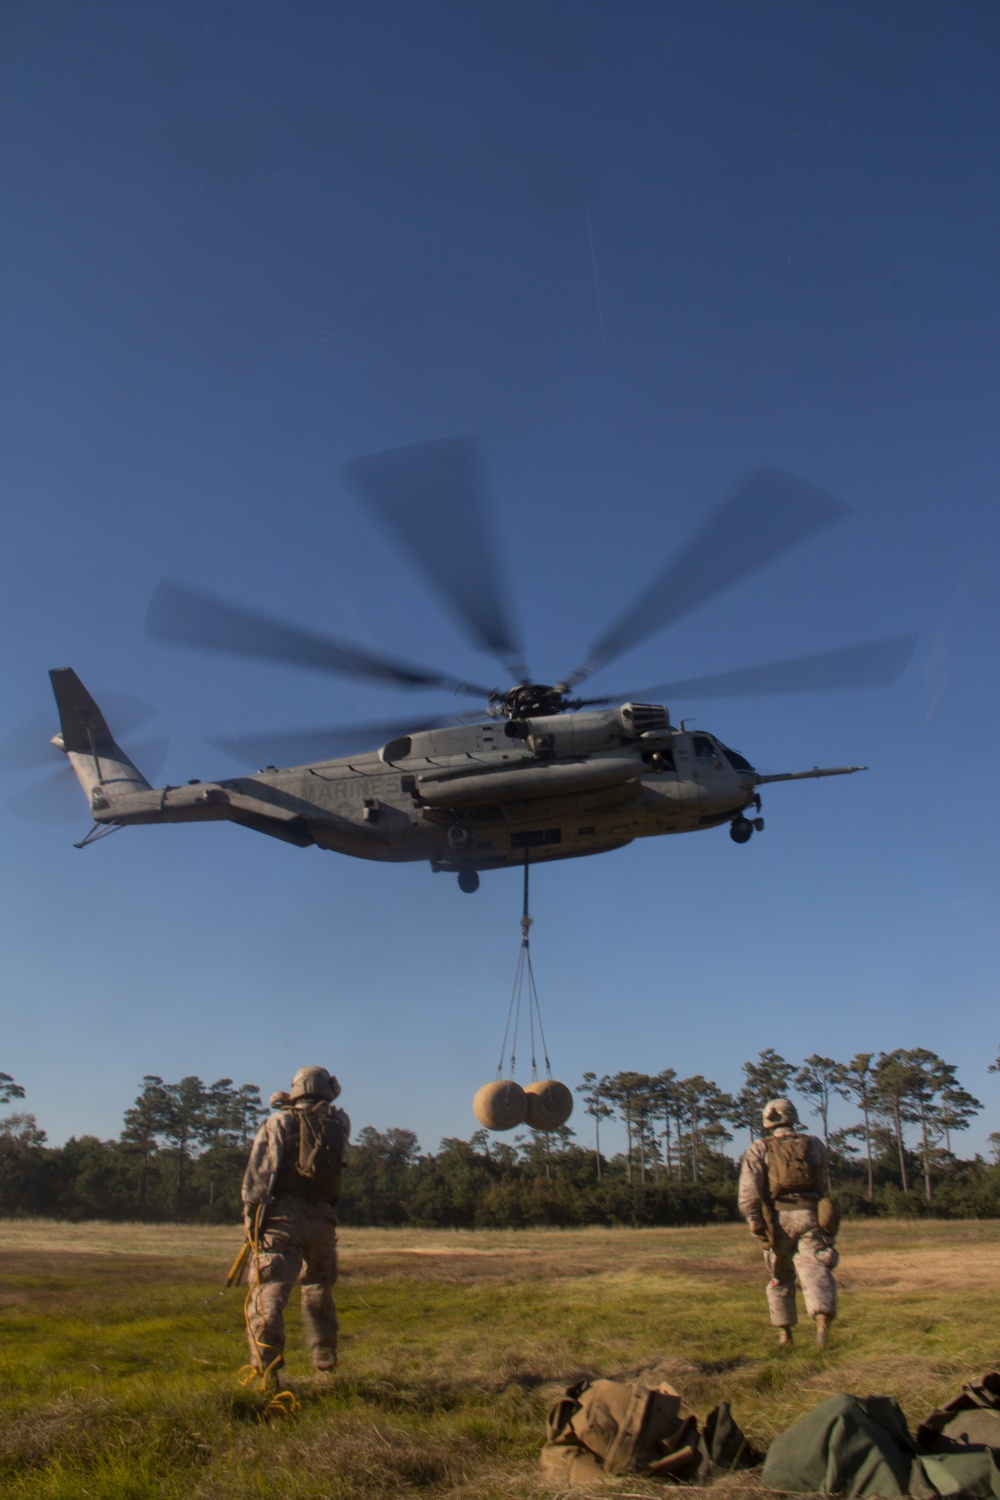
117 791
102 768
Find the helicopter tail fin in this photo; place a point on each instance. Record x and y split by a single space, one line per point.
102 767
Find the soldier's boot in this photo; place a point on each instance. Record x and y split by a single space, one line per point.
823 1321
784 1337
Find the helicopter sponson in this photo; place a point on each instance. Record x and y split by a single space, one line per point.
465 798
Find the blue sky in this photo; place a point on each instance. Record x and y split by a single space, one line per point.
638 248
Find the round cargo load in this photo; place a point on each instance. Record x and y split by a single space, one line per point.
550 1104
500 1106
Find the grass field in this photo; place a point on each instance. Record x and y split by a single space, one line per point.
119 1354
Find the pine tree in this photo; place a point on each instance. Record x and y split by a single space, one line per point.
664 1100
935 1091
955 1111
704 1105
9 1089
859 1081
819 1078
143 1123
625 1090
894 1080
188 1115
593 1090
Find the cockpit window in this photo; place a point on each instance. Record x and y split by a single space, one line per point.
734 759
703 746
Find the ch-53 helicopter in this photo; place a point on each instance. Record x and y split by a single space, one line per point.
545 775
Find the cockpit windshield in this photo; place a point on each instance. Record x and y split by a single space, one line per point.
734 758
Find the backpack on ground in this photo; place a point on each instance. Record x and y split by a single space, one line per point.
600 1427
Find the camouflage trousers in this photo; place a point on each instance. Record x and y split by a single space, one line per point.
805 1252
299 1237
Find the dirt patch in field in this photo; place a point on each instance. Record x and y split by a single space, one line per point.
37 1255
34 1276
421 1250
449 1265
971 1267
456 1269
550 1262
188 1241
748 1269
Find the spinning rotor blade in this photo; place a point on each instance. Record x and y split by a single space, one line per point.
57 798
432 498
768 514
150 756
28 744
873 664
302 747
125 714
186 617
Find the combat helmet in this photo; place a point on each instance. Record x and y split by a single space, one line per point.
313 1083
779 1112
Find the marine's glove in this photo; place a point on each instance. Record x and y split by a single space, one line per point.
758 1229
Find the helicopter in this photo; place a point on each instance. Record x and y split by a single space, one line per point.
539 772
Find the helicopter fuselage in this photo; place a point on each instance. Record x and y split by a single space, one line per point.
466 798
476 796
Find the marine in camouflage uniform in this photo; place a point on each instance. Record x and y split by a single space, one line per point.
787 1223
298 1220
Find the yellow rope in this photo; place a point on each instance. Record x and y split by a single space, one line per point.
250 1375
284 1401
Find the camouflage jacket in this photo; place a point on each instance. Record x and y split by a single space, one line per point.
267 1151
753 1172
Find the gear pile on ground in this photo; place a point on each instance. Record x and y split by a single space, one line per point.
859 1448
849 1446
971 1417
606 1427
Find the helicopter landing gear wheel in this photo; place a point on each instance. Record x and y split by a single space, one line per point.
740 830
468 881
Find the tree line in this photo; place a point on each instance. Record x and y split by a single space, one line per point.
183 1147
672 1122
180 1155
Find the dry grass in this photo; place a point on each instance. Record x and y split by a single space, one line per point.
118 1354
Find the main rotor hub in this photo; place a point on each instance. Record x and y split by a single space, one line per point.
531 700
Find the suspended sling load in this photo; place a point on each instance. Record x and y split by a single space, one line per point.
549 1104
543 1104
501 1105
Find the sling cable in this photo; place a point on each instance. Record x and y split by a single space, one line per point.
543 1104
